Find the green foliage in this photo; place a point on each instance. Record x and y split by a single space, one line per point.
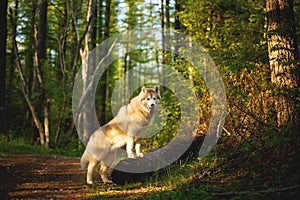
21 145
232 31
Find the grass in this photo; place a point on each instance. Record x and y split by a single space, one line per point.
165 182
169 183
21 146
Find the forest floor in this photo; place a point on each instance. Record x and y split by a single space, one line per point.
29 176
36 176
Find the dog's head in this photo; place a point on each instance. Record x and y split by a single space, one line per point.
150 98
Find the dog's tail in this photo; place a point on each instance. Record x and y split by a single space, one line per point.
84 161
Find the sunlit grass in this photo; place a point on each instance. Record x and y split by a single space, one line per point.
164 181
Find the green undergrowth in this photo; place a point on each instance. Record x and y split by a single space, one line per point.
20 145
205 180
226 173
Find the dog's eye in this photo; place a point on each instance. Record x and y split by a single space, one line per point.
148 98
154 98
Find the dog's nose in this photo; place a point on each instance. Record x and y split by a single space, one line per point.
152 105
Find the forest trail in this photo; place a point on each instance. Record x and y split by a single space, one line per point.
26 176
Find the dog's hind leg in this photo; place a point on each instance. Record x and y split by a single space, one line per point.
92 164
109 160
103 173
84 160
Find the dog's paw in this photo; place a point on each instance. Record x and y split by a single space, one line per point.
140 155
107 181
131 155
89 182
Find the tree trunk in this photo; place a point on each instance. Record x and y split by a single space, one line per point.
105 87
3 36
107 18
62 60
84 53
30 73
42 30
40 58
25 92
163 53
168 22
102 82
283 58
178 9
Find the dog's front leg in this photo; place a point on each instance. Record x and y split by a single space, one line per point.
129 147
138 147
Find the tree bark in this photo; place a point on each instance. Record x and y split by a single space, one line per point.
40 57
3 36
84 53
283 58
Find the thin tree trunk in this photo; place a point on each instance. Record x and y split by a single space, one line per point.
40 57
62 49
168 22
3 36
107 18
106 91
85 69
36 120
163 56
102 82
81 51
29 68
283 57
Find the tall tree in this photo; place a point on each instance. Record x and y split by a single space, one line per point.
102 82
86 67
105 85
3 36
283 59
40 59
24 86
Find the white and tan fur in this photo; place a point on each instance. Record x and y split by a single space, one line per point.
124 129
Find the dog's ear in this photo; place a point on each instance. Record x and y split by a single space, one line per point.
144 89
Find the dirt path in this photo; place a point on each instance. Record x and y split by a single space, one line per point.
41 177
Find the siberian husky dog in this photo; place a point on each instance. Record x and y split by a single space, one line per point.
124 129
